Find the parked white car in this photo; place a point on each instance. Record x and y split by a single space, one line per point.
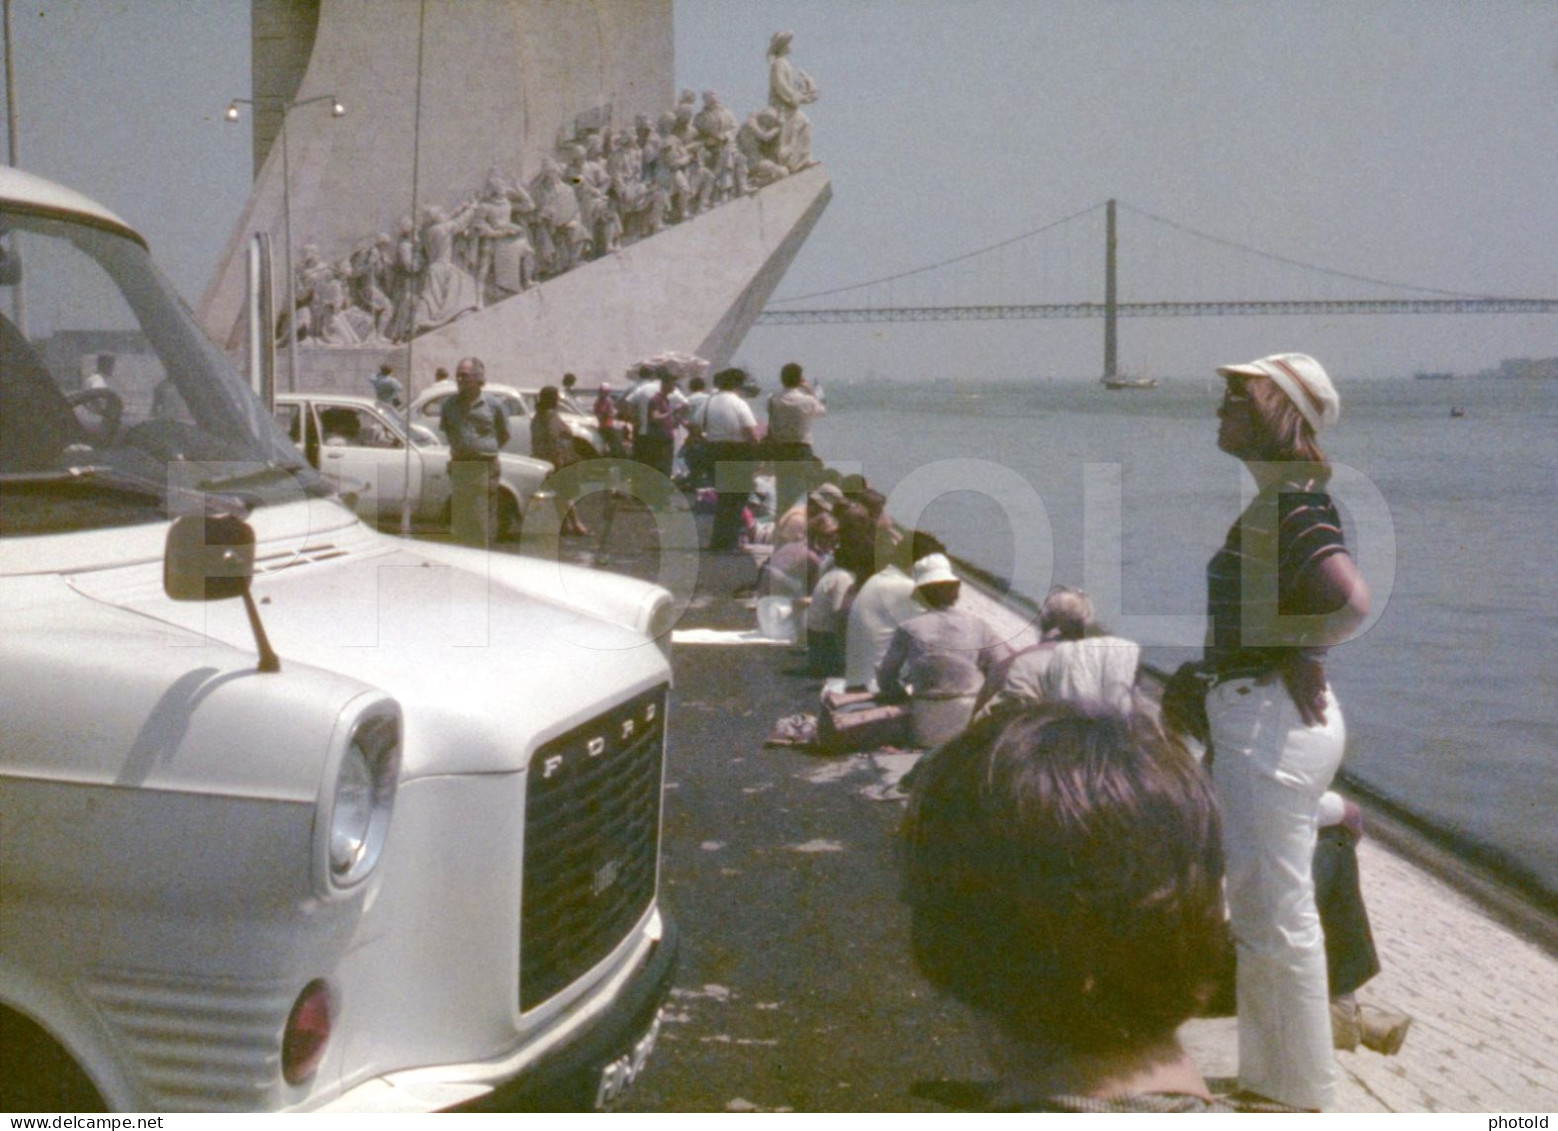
520 404
294 815
360 447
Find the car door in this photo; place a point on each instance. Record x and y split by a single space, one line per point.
364 453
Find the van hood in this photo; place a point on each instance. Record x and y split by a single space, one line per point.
484 671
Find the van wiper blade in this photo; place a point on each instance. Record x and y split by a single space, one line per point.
117 481
112 478
256 476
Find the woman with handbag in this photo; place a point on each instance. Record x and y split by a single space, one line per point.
1280 591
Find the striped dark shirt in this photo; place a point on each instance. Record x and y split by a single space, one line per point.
1255 614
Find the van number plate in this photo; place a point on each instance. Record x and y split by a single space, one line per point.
618 1075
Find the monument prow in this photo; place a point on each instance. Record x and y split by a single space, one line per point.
515 179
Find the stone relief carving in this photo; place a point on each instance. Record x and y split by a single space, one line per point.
601 190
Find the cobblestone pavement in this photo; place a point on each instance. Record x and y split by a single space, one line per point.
1484 1033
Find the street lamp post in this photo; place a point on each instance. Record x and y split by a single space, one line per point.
336 110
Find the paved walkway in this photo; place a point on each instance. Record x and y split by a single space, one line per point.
1484 1001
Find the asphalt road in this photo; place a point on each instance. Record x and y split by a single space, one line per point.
795 989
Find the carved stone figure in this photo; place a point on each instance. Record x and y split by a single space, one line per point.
715 123
446 291
505 261
728 172
321 290
668 173
405 281
366 280
559 232
758 141
788 90
686 110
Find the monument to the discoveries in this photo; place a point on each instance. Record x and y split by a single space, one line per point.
516 179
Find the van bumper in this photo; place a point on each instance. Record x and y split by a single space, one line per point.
599 1065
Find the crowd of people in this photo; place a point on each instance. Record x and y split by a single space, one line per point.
1089 867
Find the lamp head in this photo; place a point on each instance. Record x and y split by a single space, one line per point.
336 109
232 112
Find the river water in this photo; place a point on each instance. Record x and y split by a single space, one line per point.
1451 690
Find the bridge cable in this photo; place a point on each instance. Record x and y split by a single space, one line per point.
1297 262
936 266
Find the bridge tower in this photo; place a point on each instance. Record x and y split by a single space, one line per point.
1111 353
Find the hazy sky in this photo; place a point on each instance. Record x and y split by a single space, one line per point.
1411 141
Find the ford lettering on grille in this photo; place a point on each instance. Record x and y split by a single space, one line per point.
592 840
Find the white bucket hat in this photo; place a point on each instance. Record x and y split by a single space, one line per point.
933 569
1302 378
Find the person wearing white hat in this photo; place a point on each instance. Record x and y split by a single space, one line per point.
939 659
1280 591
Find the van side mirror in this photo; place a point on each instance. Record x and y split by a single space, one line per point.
209 558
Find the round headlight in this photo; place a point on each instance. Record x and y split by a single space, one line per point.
363 797
352 818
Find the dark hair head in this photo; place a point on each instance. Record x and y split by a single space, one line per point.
732 378
1063 871
822 531
856 548
697 385
547 398
791 376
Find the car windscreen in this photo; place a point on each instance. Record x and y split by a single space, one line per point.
115 408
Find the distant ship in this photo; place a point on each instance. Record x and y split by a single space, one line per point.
1130 382
1433 376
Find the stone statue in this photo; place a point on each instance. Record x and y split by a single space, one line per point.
446 291
668 172
559 232
505 261
686 109
758 142
715 123
367 278
405 281
788 90
600 191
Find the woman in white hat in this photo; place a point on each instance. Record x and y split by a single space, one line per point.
1280 591
939 659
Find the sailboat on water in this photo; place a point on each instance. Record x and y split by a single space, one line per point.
1114 382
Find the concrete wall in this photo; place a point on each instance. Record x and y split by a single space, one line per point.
500 80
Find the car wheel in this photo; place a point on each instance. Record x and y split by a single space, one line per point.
39 1075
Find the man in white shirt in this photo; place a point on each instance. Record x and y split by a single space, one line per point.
885 601
790 416
730 430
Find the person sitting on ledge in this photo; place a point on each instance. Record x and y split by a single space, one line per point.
1063 871
938 660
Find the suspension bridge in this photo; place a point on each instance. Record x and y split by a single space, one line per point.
1110 308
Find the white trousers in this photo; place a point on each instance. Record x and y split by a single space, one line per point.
1270 771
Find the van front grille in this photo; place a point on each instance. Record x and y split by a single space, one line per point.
592 843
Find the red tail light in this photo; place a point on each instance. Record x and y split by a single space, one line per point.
307 1033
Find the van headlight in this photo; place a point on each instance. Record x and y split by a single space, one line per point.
359 804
